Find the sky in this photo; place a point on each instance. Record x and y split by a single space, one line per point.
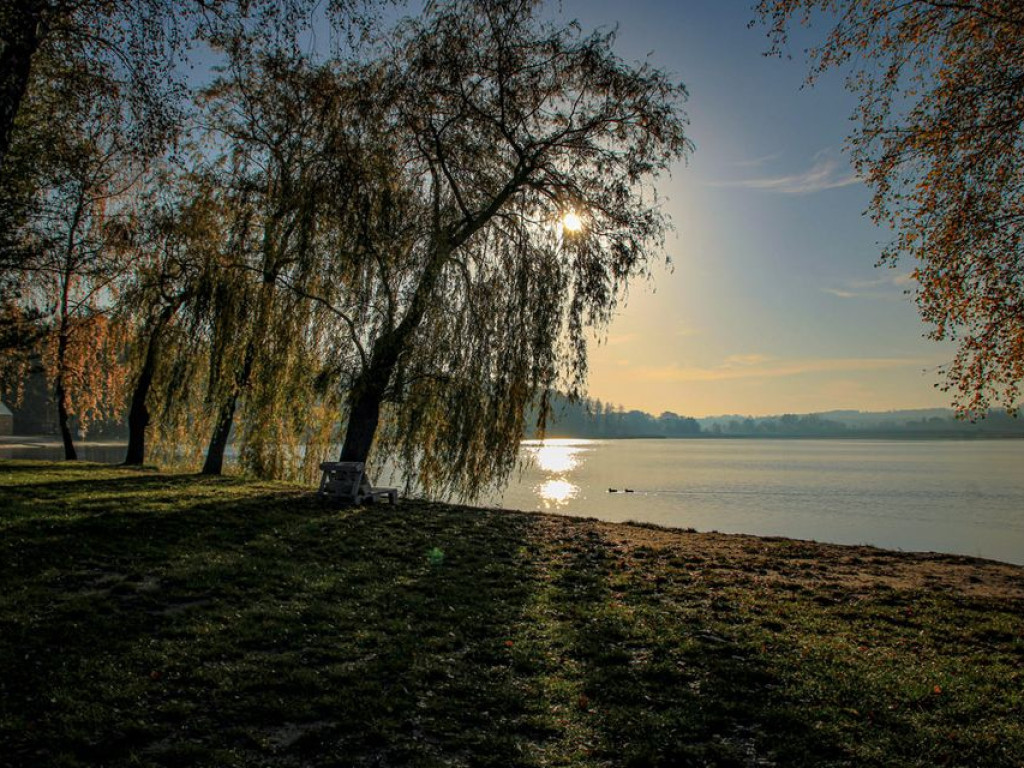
773 303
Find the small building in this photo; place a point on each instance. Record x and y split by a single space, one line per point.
6 420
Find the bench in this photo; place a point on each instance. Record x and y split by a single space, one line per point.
346 481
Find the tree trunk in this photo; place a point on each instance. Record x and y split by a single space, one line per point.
70 454
363 418
59 390
22 38
214 463
138 413
367 395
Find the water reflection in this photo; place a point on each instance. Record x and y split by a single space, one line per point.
557 493
557 459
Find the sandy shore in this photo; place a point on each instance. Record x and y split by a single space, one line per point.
841 568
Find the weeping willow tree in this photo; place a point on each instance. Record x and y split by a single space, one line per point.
189 304
177 303
467 297
284 182
169 246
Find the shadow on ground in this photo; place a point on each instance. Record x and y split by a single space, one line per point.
170 620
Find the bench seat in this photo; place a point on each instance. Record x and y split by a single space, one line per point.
346 481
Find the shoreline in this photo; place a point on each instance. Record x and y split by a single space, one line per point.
105 454
864 565
950 569
54 441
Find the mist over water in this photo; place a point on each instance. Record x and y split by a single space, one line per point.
960 497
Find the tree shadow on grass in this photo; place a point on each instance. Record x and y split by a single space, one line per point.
261 630
664 679
689 658
178 621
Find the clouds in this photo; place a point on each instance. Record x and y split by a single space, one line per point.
826 172
880 288
754 366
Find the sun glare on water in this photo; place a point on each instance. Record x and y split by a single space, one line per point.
556 493
557 459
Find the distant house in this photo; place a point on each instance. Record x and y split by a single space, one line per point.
6 420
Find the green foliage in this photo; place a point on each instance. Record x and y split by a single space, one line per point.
282 183
367 239
469 299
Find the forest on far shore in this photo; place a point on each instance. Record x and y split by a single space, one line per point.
593 419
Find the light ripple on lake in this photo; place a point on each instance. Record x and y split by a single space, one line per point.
961 497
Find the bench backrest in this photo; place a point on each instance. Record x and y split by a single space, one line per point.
343 478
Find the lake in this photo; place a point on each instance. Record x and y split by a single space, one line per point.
962 497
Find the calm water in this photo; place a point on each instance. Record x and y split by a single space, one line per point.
963 497
944 496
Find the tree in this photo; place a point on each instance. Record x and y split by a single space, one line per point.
20 336
467 299
138 43
941 142
68 275
165 247
179 304
281 124
77 59
132 42
133 51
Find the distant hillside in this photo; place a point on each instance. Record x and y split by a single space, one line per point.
919 423
593 419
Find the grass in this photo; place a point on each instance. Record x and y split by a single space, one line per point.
150 619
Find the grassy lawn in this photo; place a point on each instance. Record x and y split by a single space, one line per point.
150 619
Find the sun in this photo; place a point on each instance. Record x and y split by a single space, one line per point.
572 223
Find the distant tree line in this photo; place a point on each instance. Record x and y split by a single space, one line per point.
591 418
996 424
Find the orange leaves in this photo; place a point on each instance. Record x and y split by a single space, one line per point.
86 355
941 143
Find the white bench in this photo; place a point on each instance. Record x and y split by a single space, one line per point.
346 481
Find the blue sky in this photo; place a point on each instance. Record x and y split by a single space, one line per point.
774 304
